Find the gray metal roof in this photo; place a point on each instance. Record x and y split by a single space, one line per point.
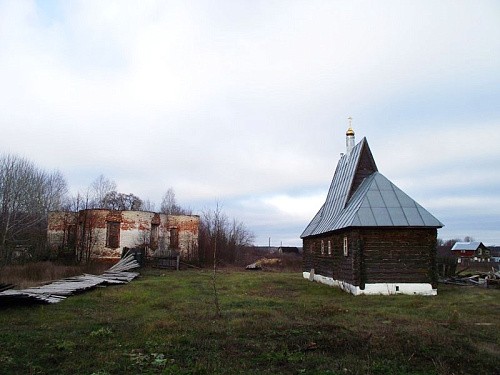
466 246
377 202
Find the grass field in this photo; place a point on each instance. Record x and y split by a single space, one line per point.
272 322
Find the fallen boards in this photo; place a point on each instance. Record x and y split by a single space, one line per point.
59 290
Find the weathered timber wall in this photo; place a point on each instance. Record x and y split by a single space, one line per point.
399 255
379 255
334 265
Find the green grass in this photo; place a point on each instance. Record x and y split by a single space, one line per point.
165 323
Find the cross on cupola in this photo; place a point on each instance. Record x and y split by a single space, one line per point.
349 142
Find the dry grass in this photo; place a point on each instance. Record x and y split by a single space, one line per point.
32 274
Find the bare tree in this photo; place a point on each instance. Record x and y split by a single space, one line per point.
217 231
221 240
169 204
100 189
81 206
56 191
217 221
119 201
147 205
239 238
27 193
87 235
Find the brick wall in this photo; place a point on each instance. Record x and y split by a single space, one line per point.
61 230
135 228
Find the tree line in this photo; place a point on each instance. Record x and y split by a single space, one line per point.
222 238
28 193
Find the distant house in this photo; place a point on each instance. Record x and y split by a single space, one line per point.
369 237
494 253
475 251
105 234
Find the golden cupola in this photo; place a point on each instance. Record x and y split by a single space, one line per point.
349 137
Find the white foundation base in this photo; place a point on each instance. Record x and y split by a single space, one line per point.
420 289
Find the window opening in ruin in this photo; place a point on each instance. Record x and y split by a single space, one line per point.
153 240
81 230
322 247
329 247
174 238
70 236
112 234
346 250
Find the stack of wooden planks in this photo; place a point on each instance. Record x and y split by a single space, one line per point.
5 287
487 279
59 290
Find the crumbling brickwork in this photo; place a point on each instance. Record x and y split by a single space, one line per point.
99 233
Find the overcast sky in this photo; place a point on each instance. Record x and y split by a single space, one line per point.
245 103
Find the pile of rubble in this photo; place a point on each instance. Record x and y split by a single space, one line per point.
489 279
264 263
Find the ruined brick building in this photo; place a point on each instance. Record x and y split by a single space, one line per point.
103 234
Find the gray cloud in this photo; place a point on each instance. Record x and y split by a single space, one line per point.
246 102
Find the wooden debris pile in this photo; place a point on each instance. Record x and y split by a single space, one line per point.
5 287
264 263
59 290
489 279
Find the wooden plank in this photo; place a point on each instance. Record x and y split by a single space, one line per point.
59 290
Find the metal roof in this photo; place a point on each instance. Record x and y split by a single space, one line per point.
377 202
466 246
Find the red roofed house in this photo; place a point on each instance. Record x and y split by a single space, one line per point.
475 251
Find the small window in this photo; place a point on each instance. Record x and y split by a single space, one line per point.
346 249
322 247
113 234
329 247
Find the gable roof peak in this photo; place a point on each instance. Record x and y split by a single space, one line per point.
360 196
